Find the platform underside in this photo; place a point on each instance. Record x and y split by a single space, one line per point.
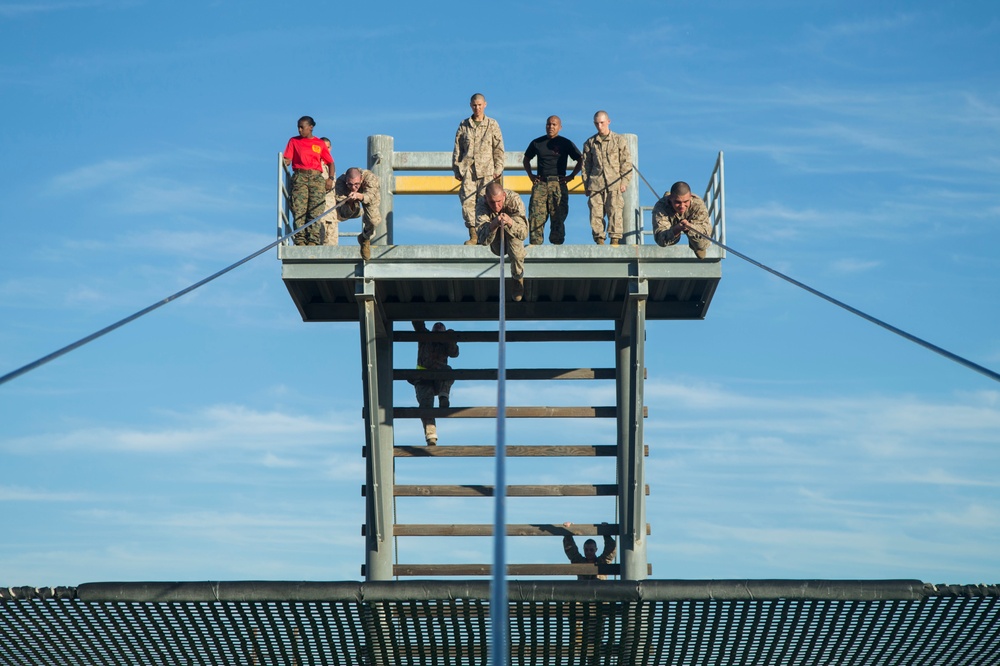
457 282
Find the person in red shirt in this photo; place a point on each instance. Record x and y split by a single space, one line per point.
307 155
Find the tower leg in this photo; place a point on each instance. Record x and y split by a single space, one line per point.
630 346
376 361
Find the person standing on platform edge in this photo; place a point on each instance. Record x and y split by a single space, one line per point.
678 211
607 169
307 155
477 159
433 356
549 194
504 208
354 189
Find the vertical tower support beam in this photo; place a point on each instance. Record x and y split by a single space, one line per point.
376 362
380 156
630 347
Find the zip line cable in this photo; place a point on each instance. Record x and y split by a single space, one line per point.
498 587
995 376
118 324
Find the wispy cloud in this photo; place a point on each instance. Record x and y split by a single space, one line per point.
22 494
836 34
19 9
219 426
854 265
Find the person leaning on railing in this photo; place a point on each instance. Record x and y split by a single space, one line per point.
679 211
354 189
497 210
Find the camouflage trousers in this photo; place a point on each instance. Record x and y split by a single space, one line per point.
608 202
549 199
426 391
308 199
468 193
515 251
371 215
331 221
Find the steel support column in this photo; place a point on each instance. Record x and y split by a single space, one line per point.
376 364
630 348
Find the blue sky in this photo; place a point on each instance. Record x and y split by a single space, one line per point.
219 437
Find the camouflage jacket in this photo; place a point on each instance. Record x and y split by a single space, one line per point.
664 217
574 556
513 206
478 149
369 188
607 162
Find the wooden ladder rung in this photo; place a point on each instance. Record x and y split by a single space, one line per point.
513 374
524 530
554 451
568 490
512 412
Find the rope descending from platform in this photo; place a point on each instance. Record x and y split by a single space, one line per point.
145 311
995 376
499 629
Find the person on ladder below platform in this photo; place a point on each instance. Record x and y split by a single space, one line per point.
433 356
589 552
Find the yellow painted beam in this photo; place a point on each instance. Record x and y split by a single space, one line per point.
448 185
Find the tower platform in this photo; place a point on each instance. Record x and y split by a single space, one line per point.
459 283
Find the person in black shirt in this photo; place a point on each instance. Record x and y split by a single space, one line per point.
549 194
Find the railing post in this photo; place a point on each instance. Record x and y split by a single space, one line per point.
631 213
380 149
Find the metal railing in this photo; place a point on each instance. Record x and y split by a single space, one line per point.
714 196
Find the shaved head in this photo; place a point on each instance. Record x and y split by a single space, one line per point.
602 123
680 188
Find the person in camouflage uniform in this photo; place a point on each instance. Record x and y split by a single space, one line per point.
589 552
307 155
476 160
329 224
503 208
357 187
433 356
549 193
607 169
680 211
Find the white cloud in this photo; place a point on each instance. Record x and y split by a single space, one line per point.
21 494
18 9
213 428
854 265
